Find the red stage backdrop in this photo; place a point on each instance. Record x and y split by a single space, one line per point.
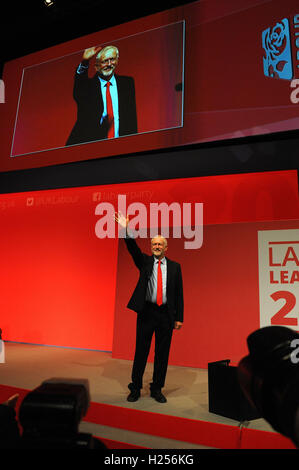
203 72
62 285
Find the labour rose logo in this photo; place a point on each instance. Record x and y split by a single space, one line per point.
277 58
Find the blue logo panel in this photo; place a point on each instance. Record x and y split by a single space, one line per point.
277 58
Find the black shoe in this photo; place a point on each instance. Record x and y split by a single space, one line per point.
158 396
135 393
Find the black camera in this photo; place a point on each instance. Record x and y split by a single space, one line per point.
269 377
50 416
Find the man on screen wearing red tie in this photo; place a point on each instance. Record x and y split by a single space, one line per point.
158 301
106 105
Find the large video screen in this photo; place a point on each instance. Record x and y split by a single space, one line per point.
73 113
66 276
203 72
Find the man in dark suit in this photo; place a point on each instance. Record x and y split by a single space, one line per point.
158 301
106 105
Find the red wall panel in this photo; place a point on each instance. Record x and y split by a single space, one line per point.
221 293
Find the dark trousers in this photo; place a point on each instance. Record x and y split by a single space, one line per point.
153 320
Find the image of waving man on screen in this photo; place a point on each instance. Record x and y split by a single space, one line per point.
106 105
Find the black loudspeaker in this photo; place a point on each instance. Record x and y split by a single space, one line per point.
226 397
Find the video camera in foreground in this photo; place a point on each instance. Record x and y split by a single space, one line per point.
50 416
269 377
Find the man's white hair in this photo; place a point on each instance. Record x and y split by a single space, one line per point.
105 49
160 236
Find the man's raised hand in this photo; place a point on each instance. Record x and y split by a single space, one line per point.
121 220
91 52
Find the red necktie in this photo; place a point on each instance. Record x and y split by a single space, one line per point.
110 116
159 284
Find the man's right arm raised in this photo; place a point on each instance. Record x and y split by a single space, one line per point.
133 248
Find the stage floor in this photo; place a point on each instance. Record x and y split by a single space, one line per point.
186 390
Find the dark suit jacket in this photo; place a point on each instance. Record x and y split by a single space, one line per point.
174 287
88 96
